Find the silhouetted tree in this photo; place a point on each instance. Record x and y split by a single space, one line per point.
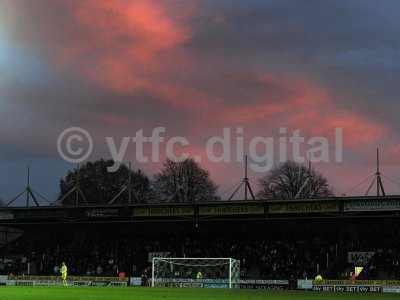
99 186
185 181
292 180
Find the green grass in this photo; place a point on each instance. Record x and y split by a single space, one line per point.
93 293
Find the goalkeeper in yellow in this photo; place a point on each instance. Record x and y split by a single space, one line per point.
64 273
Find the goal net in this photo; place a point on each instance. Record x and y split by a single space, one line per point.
196 272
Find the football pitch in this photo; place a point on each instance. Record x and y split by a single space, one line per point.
101 293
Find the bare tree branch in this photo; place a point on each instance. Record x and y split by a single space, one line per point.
291 180
183 182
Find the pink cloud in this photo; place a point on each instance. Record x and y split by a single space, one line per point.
126 56
309 108
121 42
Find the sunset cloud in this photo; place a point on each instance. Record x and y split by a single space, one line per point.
123 42
114 67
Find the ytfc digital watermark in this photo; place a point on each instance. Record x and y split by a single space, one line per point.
75 145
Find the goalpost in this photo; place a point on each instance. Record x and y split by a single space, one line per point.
195 272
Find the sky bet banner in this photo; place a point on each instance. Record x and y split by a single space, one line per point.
348 288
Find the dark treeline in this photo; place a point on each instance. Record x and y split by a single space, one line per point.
179 182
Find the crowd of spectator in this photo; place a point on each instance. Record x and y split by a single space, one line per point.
261 256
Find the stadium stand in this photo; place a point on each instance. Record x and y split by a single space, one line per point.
102 253
278 241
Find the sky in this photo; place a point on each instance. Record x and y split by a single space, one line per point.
194 68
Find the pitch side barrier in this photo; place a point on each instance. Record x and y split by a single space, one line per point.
223 283
264 284
358 286
56 281
217 283
136 281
